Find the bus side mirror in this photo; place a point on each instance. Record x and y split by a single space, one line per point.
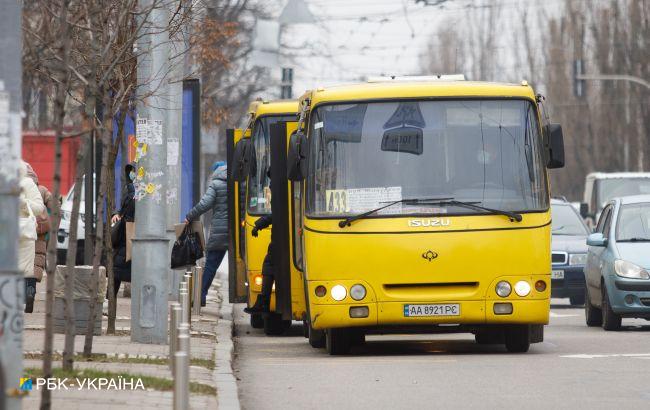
555 146
243 160
297 157
584 210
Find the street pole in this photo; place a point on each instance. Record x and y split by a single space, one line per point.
150 257
11 280
174 143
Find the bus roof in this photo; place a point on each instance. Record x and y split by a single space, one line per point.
263 107
414 89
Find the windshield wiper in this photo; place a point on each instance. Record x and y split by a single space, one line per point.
636 239
348 221
473 205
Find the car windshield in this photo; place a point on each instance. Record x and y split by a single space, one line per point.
259 191
633 222
615 187
566 221
365 155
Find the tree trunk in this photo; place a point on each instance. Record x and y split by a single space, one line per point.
106 129
59 106
71 259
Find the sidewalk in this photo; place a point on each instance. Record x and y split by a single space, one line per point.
118 356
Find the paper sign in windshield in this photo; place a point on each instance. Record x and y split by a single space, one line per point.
363 199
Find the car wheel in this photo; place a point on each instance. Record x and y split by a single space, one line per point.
518 338
577 300
611 321
257 321
338 341
593 315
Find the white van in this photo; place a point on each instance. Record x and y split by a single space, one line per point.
600 187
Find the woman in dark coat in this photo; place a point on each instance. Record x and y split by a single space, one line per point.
122 267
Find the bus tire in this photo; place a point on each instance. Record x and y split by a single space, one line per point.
593 315
517 338
273 324
257 321
337 341
316 337
357 337
611 321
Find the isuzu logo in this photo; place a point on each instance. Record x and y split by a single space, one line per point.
416 223
429 255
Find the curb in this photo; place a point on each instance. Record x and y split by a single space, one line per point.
227 394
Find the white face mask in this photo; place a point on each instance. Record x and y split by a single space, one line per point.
132 175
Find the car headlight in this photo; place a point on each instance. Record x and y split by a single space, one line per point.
338 292
522 288
357 292
629 270
577 259
503 289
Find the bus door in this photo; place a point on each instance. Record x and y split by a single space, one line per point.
280 236
238 153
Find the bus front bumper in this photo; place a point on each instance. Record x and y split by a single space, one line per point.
481 312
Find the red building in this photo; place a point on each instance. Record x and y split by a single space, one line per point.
38 150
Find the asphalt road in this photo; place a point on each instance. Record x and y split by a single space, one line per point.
575 367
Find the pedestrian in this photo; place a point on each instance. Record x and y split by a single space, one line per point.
43 226
31 204
126 214
215 199
263 302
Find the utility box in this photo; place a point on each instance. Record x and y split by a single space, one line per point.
81 294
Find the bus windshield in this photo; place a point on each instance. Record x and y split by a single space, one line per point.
259 191
365 155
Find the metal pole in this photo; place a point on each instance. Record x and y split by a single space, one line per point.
182 369
185 304
613 77
198 280
11 280
175 320
150 246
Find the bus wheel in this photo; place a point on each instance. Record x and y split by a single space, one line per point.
357 337
273 324
316 337
517 338
257 321
338 341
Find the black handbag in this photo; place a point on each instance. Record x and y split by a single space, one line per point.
118 233
187 249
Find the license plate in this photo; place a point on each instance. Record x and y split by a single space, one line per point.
447 309
557 274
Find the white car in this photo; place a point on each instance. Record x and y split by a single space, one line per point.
64 226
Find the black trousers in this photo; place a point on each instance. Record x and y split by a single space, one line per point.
268 275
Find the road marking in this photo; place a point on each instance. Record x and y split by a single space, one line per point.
605 355
553 314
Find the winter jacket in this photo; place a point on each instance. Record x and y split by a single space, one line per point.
30 198
121 266
215 199
42 226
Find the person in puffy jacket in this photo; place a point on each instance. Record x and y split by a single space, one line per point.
31 205
215 199
43 225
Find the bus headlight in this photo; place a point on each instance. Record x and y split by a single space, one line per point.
503 289
338 292
357 292
522 288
